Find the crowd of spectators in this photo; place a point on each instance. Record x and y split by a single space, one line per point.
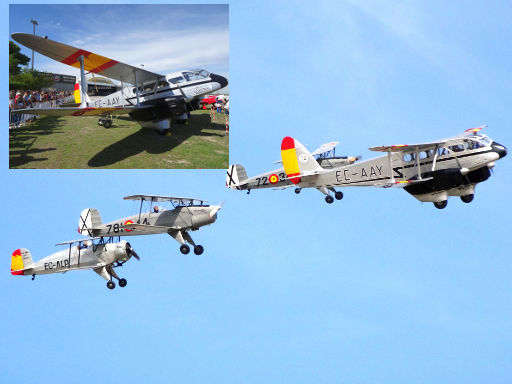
30 99
33 99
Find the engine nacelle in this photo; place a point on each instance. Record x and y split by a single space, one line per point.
202 219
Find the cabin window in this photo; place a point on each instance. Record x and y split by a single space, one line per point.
176 80
426 154
457 148
443 151
484 140
410 156
195 75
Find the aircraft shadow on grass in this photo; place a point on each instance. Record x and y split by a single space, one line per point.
22 139
144 141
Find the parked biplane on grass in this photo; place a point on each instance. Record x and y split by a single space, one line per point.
152 99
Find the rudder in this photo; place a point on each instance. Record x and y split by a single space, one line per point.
297 160
89 220
21 259
236 175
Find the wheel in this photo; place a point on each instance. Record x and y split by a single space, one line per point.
441 204
107 123
297 190
122 282
111 284
329 199
467 198
338 195
184 249
198 249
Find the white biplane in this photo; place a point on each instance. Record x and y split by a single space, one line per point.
94 253
431 172
151 99
185 214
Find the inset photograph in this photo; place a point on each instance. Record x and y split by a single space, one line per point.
119 86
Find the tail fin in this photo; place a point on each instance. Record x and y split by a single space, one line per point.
236 175
20 260
78 95
89 220
297 160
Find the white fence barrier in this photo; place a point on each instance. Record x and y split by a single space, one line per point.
17 119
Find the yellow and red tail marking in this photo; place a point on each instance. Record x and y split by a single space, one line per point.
16 263
128 222
92 62
289 157
76 93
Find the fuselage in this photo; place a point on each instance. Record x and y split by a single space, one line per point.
179 218
79 257
183 85
464 157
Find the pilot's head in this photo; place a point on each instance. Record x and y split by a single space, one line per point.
155 209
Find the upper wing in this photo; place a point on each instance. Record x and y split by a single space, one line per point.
174 199
325 148
94 63
77 111
421 146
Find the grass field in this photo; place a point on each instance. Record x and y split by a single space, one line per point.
79 142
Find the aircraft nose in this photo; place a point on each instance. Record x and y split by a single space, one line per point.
219 79
501 150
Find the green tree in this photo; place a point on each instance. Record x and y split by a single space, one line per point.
24 78
16 58
28 79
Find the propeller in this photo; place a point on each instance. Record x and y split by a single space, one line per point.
130 252
215 209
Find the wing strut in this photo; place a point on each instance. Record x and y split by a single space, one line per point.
392 179
418 163
137 87
435 158
84 82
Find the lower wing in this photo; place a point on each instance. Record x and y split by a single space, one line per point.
75 111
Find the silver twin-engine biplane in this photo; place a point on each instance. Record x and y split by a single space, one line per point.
185 214
98 254
431 172
151 99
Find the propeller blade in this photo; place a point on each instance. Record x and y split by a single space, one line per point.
131 252
216 208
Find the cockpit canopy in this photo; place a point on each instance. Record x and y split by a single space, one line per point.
188 75
466 144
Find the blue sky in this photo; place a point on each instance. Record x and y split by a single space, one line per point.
375 288
164 38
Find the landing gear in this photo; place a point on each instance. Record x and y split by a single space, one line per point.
122 283
329 199
185 249
338 195
467 198
297 190
198 249
111 284
441 204
106 122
